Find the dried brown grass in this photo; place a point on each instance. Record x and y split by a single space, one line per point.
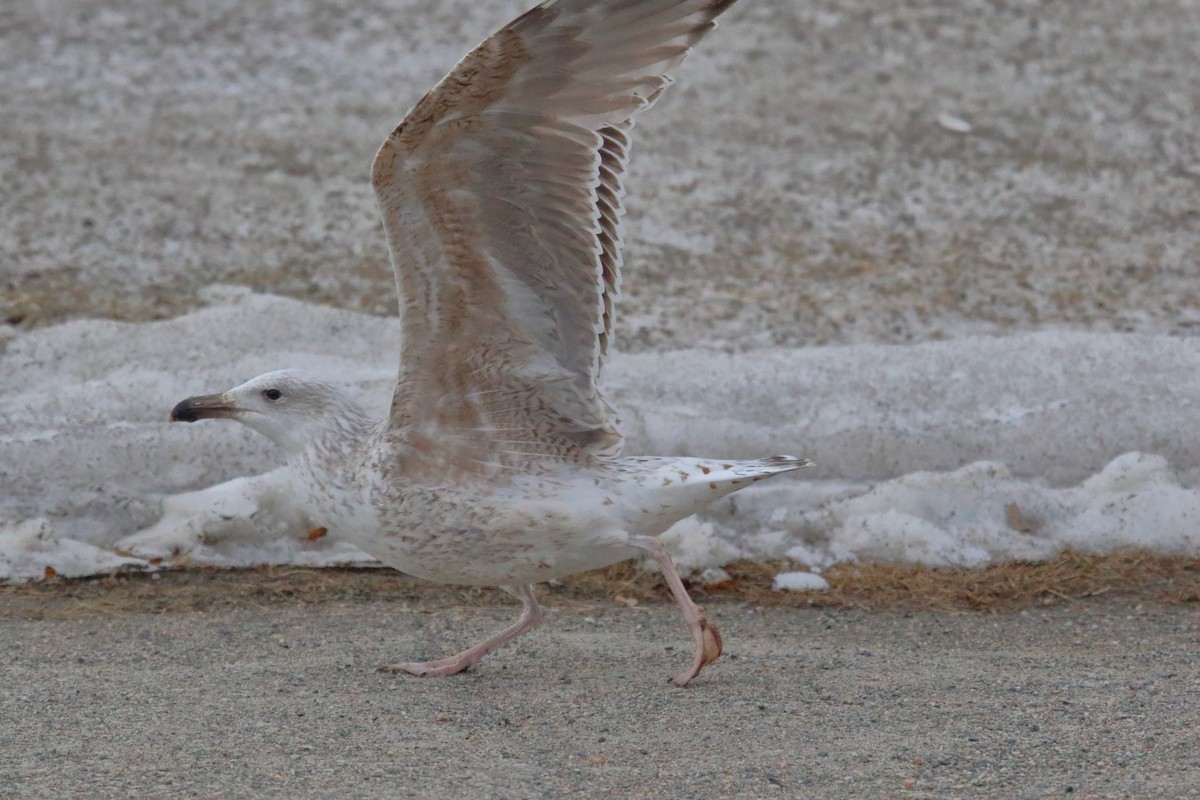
1068 577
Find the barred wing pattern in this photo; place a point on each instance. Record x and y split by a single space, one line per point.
501 200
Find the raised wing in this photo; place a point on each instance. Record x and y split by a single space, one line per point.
501 200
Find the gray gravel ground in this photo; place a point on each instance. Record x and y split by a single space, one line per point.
806 182
1093 701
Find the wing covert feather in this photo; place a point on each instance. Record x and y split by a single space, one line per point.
501 196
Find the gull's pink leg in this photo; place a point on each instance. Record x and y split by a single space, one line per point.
531 614
704 633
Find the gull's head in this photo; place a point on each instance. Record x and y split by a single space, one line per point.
289 407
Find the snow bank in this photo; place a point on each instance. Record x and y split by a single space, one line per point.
957 452
982 513
32 549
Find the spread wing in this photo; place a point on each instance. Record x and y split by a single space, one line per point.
501 201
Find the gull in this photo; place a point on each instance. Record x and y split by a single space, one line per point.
500 462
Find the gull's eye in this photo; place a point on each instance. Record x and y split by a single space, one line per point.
272 394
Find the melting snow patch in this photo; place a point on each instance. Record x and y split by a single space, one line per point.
245 521
799 582
981 513
1037 418
694 545
953 123
29 548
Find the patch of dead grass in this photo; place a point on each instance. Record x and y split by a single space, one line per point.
1070 576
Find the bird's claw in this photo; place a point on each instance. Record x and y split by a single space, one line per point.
708 650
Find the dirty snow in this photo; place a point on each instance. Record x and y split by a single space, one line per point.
948 453
932 176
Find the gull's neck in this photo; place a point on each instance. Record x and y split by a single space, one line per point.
330 439
343 431
332 460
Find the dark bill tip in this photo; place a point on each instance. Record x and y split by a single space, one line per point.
197 408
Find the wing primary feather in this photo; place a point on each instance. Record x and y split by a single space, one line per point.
501 194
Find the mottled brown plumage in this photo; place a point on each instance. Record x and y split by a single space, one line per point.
499 463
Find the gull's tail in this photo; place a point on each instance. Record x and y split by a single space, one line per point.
774 464
673 488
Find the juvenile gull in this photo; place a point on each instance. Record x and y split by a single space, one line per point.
499 463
